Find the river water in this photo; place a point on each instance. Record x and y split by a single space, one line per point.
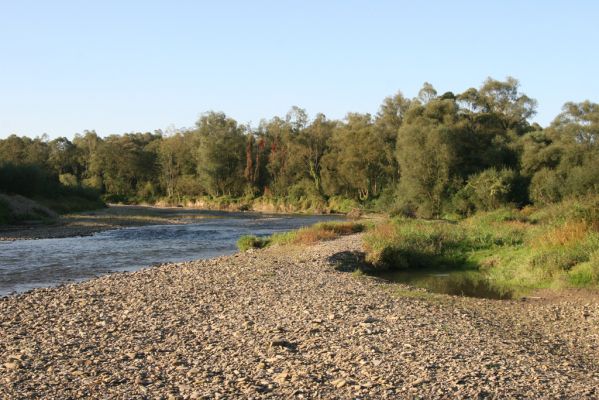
28 264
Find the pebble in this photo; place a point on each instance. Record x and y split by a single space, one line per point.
284 323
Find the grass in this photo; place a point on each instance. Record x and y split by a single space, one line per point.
247 242
552 247
303 236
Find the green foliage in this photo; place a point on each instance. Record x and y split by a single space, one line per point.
585 274
430 156
308 235
358 163
519 249
426 154
45 187
220 154
487 190
584 209
406 244
339 204
247 242
563 160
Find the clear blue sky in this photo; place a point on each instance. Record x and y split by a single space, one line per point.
122 66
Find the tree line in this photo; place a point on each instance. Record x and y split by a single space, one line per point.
426 156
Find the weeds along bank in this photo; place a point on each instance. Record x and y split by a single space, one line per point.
303 236
269 204
517 250
556 246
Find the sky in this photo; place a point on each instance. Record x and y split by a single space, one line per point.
137 66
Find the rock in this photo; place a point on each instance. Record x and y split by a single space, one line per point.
339 383
187 334
12 365
283 343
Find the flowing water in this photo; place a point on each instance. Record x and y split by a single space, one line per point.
27 264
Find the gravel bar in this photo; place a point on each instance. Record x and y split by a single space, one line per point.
287 322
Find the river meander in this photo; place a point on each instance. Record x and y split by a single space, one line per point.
28 264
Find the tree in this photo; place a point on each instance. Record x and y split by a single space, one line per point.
360 158
501 103
427 154
388 120
563 160
277 134
174 157
220 154
308 147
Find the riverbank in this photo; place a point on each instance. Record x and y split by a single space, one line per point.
90 222
116 216
288 322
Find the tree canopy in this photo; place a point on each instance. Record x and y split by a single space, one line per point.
428 156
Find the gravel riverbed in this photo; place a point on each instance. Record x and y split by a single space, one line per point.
286 323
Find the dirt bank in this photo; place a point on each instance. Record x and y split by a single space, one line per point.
285 323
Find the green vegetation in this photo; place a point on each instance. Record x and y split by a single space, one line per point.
308 235
493 192
43 189
247 242
430 156
555 246
16 208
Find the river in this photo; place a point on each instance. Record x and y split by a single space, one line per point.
28 264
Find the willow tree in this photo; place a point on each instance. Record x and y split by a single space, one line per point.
563 159
220 154
308 148
361 159
427 155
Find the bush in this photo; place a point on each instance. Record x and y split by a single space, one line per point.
46 188
16 208
417 244
546 187
247 242
28 180
308 235
573 209
487 190
554 246
342 204
585 274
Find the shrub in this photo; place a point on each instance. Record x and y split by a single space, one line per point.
308 235
247 242
545 187
586 274
487 190
342 204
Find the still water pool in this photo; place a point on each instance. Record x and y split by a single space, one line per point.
457 283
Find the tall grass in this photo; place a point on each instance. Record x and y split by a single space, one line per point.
303 236
557 246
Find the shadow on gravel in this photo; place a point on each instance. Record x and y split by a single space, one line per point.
349 261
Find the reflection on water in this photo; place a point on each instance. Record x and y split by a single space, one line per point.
458 283
28 264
